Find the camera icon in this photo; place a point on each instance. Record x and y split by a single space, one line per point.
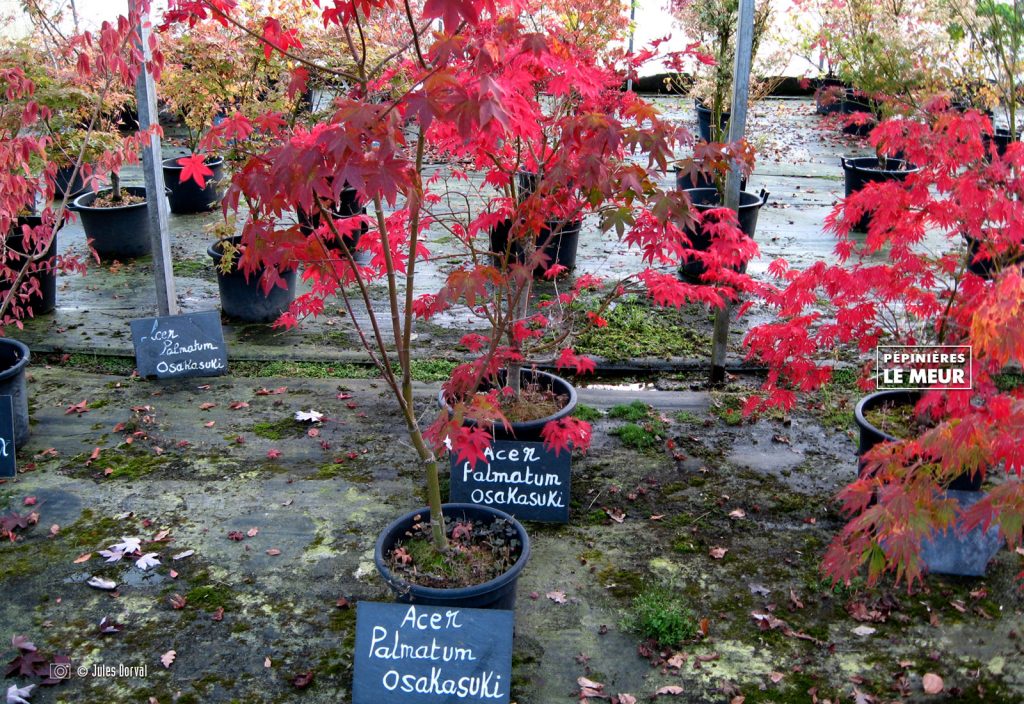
60 671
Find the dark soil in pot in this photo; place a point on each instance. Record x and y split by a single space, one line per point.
888 416
704 199
14 357
187 197
118 232
45 270
860 171
242 298
560 242
551 386
497 538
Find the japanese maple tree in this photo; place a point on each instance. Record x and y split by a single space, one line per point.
497 88
910 282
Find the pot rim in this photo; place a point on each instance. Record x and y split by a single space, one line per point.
474 590
854 164
526 425
77 204
761 197
877 398
22 350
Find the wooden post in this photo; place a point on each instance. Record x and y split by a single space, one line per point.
737 128
152 168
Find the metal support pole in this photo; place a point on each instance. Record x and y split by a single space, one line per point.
737 128
632 30
152 168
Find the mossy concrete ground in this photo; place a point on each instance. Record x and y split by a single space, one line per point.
639 517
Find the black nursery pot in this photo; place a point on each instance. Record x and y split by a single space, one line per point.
704 121
14 357
986 268
188 197
830 96
64 185
116 233
45 270
309 223
860 171
871 436
529 431
243 298
560 241
498 593
1002 138
704 199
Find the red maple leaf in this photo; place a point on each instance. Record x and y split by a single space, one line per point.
194 167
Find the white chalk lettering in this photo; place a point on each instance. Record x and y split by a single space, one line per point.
527 476
189 366
486 685
172 348
514 497
385 645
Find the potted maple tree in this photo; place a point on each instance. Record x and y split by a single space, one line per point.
917 296
494 98
30 157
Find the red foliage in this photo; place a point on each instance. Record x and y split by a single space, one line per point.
921 292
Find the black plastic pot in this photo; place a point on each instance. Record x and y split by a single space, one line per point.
560 241
188 197
45 270
704 121
704 199
860 171
529 431
309 223
65 186
242 298
1002 138
499 593
871 436
829 96
116 233
987 268
14 357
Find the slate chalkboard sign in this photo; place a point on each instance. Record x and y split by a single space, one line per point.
418 654
180 345
521 478
8 467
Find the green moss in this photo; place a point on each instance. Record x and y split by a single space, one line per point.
98 364
428 370
302 370
621 583
641 437
688 417
278 429
210 597
195 268
660 614
587 413
728 407
635 329
352 470
635 411
127 462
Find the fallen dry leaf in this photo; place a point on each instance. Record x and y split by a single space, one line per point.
615 514
718 553
237 405
670 689
218 615
273 552
252 532
932 683
624 698
167 659
776 677
863 630
589 688
84 557
737 513
207 406
557 597
266 662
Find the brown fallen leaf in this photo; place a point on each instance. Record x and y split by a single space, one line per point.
738 699
207 406
557 597
705 626
707 657
237 405
84 557
737 513
932 683
795 600
266 662
615 514
677 661
218 615
623 698
670 690
167 659
776 677
252 532
718 553
178 601
210 424
590 688
273 552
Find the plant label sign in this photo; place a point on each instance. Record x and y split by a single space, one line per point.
180 345
8 467
521 478
418 654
